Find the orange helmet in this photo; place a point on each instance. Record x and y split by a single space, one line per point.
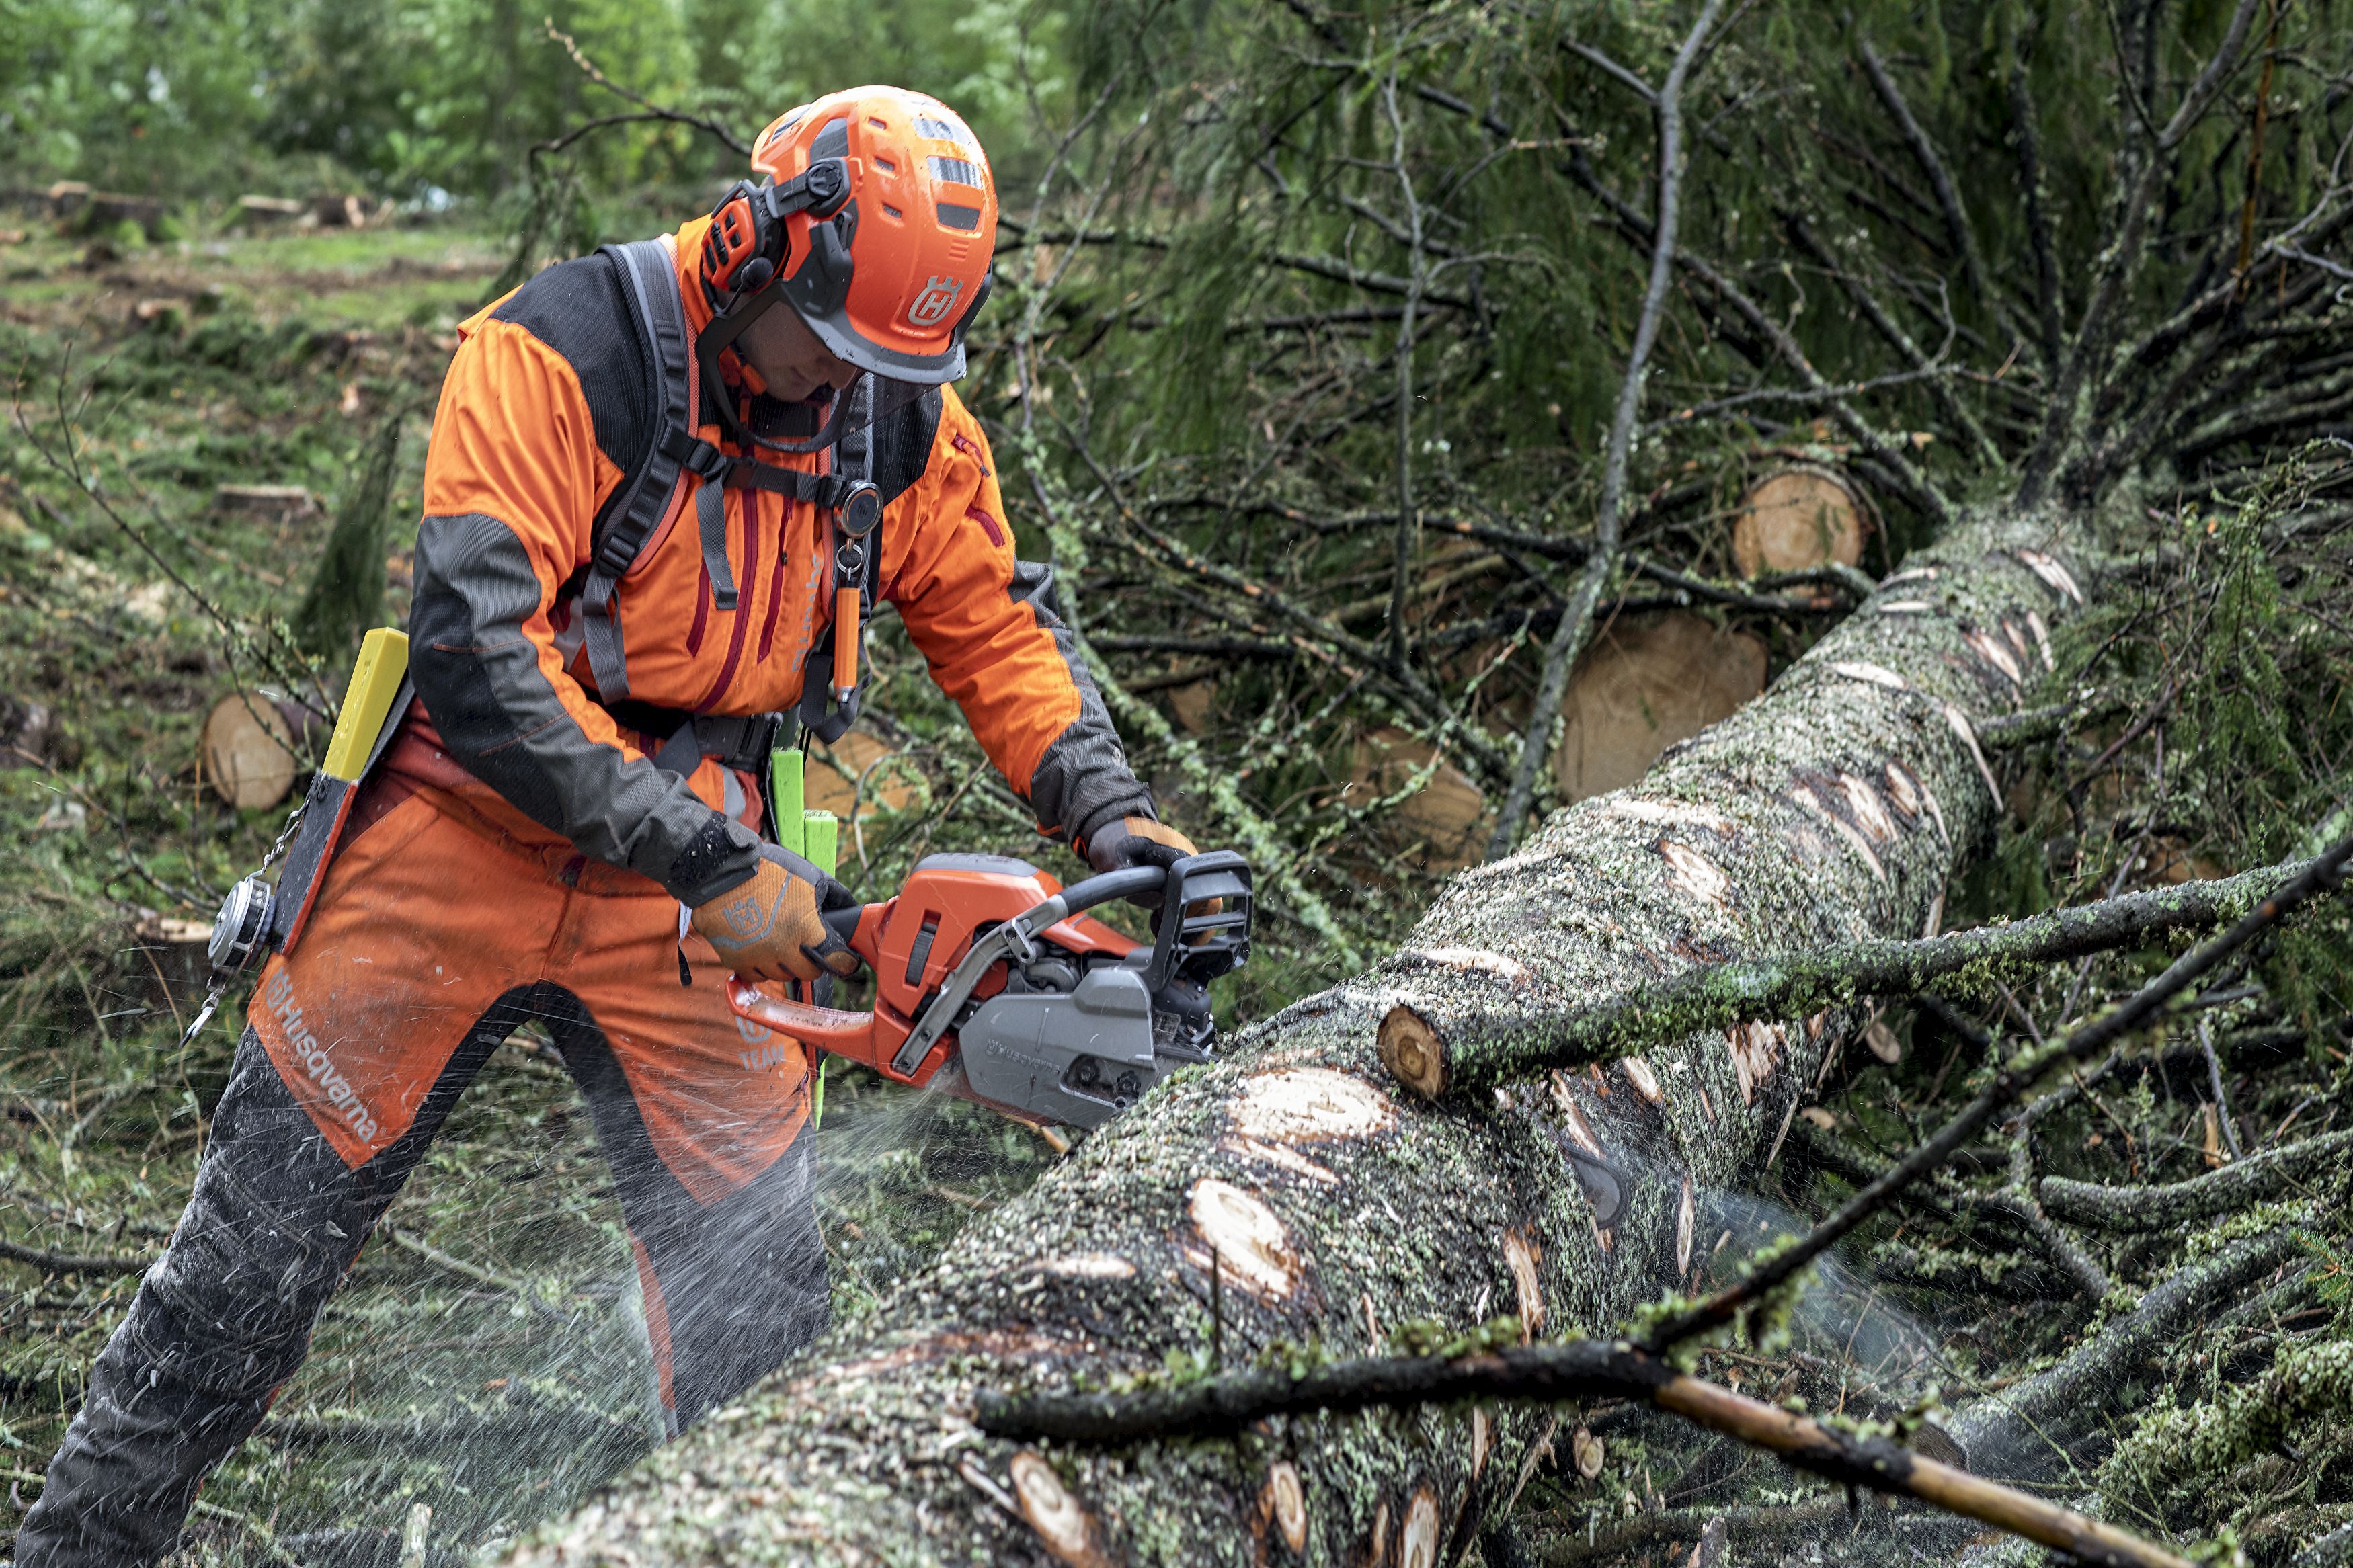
876 223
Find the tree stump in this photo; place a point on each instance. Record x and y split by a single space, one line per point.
248 751
262 210
268 504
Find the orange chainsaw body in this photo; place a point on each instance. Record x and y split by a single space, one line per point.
912 942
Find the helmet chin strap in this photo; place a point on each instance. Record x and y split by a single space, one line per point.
725 327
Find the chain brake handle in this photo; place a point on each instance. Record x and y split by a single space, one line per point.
1204 926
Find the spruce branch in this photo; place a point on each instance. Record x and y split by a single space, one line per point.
1576 629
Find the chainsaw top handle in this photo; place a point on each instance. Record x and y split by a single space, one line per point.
1195 883
1124 883
1193 879
1121 884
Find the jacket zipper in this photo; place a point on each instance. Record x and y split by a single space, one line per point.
702 611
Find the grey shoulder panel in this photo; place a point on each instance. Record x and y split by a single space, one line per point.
479 675
1083 779
902 445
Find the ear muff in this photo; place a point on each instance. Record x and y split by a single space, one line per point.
979 298
744 248
736 247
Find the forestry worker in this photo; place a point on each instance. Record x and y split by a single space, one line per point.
667 483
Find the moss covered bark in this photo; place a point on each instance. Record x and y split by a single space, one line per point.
2265 1175
1830 811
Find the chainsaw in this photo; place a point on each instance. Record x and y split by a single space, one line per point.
993 983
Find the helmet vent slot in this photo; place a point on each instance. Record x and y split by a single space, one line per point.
945 131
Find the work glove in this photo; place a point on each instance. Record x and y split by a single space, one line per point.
1140 841
773 927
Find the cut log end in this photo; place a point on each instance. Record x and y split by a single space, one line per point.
1286 1500
1798 518
1411 1051
1064 1527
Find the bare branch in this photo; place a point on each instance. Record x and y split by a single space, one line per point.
69 1263
2026 133
1568 639
1408 528
2234 1186
1618 73
1958 231
1479 1049
652 111
1221 1406
2123 249
1939 378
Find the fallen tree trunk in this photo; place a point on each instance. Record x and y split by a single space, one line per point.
1831 810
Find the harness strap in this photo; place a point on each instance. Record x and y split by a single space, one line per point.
827 491
715 468
636 509
739 742
639 507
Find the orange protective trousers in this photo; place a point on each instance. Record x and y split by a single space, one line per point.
447 918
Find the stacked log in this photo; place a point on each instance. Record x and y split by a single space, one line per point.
247 749
1642 686
1797 518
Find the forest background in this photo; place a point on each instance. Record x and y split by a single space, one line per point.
1404 487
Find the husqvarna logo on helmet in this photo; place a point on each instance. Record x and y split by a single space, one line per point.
933 305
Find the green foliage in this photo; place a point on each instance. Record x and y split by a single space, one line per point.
211 97
2184 1448
1216 359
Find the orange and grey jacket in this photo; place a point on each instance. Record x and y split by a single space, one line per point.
544 412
